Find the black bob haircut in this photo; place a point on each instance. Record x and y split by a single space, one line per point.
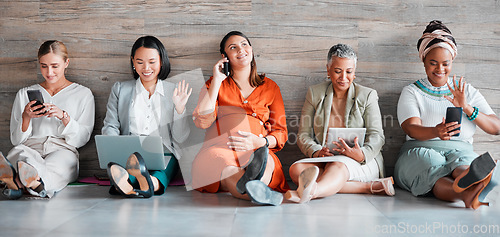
151 42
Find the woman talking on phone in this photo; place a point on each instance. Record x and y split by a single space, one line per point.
244 115
437 158
45 136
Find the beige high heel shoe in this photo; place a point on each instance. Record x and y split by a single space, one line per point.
387 183
307 184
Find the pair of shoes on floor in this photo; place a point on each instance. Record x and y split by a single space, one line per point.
119 177
387 186
262 194
27 174
255 169
8 176
307 186
479 172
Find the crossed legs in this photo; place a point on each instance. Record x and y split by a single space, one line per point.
334 178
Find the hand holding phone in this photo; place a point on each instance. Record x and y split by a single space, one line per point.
226 67
454 114
37 96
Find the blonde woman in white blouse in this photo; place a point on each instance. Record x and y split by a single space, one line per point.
45 137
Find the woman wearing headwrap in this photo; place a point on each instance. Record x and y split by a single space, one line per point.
433 160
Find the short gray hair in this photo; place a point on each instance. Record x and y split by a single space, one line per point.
342 51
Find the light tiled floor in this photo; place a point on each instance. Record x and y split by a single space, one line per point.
90 211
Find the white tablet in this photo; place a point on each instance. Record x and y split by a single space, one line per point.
348 134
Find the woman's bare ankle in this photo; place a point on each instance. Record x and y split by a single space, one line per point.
156 183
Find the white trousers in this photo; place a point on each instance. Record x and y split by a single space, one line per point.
55 161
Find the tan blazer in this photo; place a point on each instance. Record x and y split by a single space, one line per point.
362 111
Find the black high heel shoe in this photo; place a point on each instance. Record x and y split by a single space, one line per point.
479 170
255 169
8 177
135 167
28 176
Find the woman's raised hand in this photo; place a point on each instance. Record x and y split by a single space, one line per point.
459 99
181 96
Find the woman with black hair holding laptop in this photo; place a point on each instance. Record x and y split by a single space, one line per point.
149 106
340 103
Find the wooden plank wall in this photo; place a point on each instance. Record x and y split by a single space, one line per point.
290 37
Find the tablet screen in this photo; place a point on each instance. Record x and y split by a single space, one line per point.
348 134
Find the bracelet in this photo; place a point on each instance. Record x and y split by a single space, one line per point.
474 114
267 142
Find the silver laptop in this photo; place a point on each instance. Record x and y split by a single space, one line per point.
118 148
348 134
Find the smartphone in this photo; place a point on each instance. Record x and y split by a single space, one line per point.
454 114
36 95
226 67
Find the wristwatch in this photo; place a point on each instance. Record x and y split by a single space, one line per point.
65 115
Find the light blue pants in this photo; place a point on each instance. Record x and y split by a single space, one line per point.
421 163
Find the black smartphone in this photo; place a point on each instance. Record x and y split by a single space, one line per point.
36 95
454 114
226 67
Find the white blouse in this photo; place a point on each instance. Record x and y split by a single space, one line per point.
75 99
145 112
421 99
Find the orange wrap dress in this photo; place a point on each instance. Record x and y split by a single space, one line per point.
261 113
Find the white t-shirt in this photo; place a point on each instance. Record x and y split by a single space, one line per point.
421 99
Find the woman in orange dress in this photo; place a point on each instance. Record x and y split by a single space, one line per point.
245 120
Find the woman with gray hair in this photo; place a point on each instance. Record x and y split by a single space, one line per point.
339 103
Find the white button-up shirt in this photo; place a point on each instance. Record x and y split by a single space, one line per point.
145 111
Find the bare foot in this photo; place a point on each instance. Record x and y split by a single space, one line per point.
293 196
156 184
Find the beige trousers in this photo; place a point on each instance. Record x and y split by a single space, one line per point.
55 161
